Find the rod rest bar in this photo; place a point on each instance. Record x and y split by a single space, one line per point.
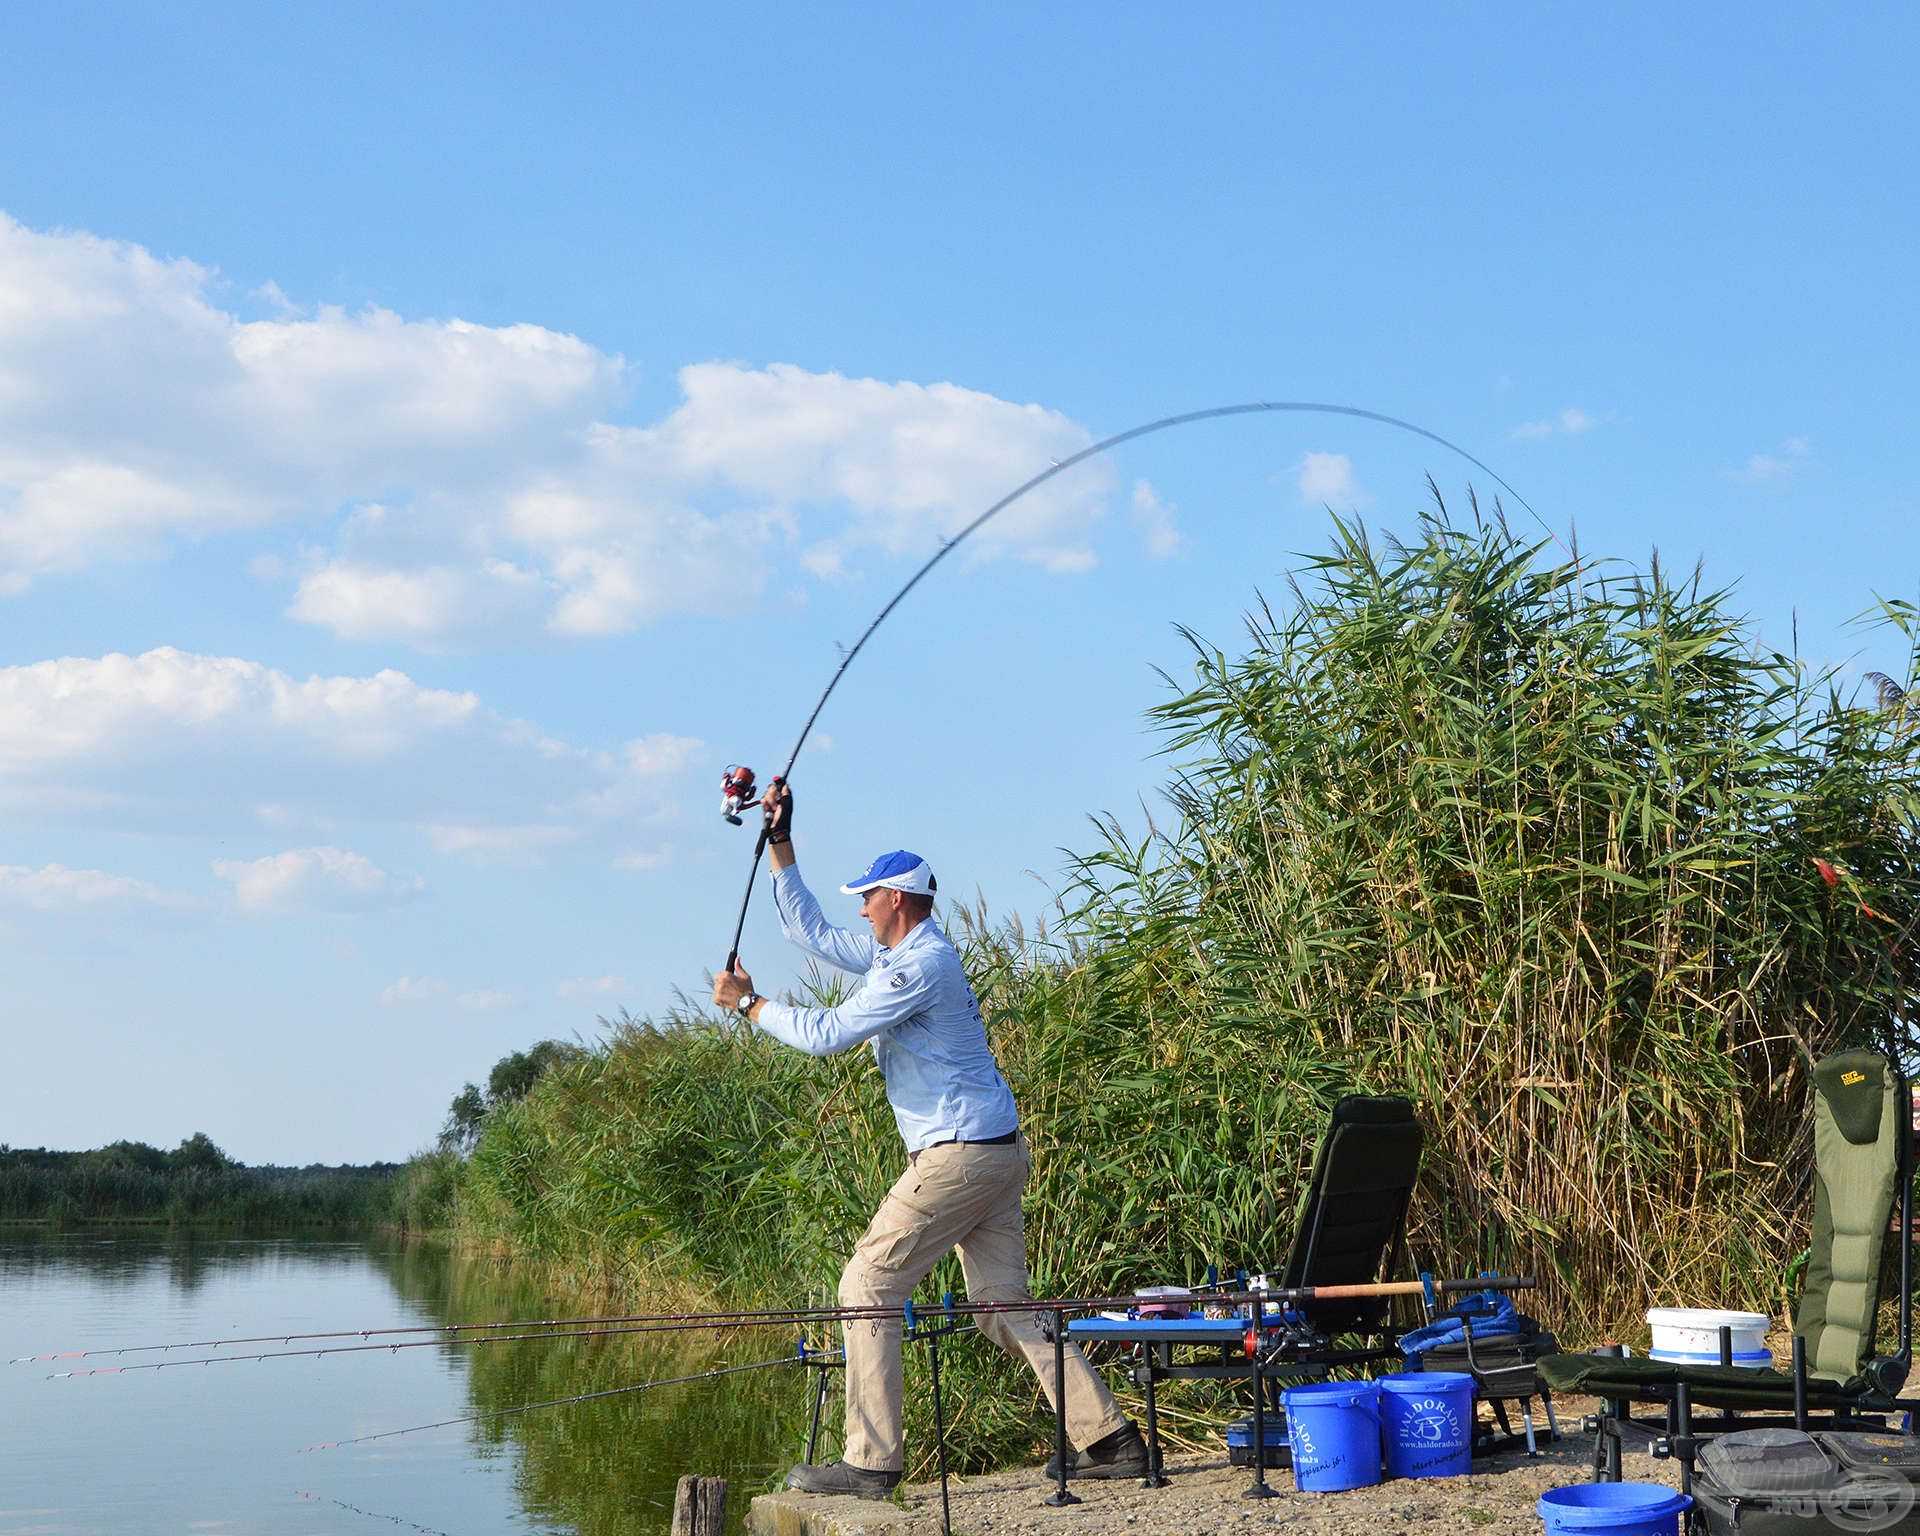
1800 1381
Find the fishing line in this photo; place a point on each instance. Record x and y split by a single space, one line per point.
1060 467
374 1514
561 1402
692 1319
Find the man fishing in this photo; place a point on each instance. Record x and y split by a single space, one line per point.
966 1159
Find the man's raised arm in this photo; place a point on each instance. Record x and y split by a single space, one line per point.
801 919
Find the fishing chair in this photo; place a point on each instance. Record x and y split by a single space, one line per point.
1863 1160
1505 1369
1351 1226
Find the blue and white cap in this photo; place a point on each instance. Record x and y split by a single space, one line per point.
898 871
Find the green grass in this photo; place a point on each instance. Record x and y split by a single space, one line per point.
1528 840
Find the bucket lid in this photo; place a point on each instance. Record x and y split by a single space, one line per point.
1331 1394
1705 1317
1420 1383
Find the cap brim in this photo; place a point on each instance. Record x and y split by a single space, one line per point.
890 883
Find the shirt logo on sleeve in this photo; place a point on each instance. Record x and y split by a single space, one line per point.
899 981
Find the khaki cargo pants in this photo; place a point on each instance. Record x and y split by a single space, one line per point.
964 1196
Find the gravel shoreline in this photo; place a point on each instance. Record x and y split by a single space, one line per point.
1208 1494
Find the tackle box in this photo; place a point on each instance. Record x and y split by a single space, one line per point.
1240 1441
1786 1482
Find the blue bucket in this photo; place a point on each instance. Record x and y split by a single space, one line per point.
1426 1419
1613 1509
1333 1429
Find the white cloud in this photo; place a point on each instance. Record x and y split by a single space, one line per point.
501 845
826 560
431 608
315 880
60 716
1771 468
1571 422
1070 560
590 986
420 991
1155 521
493 493
662 753
409 991
172 741
56 888
138 411
1327 477
910 460
644 859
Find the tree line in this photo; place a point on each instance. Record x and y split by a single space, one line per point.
195 1181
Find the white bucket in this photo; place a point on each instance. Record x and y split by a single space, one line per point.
1692 1334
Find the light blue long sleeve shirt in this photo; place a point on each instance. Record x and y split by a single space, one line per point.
915 1007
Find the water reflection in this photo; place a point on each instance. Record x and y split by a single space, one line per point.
610 1466
187 1259
213 1448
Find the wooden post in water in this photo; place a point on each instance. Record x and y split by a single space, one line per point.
700 1506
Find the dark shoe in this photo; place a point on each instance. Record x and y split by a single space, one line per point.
842 1477
1120 1454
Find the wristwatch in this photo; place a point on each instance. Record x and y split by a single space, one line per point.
747 1000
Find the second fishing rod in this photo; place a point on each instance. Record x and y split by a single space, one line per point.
726 1322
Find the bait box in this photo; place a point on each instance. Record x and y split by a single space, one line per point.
1240 1441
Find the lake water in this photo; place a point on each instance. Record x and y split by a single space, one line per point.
213 1449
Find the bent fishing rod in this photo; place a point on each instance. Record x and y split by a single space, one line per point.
1060 467
720 1321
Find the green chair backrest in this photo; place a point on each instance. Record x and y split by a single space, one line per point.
1354 1210
1857 1127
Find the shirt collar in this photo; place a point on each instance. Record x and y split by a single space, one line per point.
912 939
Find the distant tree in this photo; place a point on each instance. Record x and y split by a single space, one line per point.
511 1079
129 1154
464 1118
198 1151
513 1076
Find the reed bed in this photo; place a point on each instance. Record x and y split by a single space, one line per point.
1530 840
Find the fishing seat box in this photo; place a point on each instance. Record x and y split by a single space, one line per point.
1786 1482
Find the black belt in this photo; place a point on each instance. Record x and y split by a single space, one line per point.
985 1141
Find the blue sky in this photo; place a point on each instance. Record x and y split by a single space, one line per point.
434 442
